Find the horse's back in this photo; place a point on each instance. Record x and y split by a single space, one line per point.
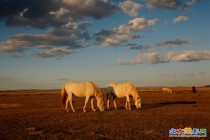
124 89
80 89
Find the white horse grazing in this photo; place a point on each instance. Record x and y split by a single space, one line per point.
81 89
168 90
125 90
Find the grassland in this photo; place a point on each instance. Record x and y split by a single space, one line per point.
38 114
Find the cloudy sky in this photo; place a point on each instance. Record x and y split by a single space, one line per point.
44 43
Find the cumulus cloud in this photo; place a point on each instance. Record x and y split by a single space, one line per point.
154 4
173 43
61 19
60 13
149 57
123 33
139 24
14 45
170 4
118 39
131 8
180 19
155 58
35 13
55 52
55 37
189 56
165 44
93 8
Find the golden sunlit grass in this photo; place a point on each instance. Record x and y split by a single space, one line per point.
38 115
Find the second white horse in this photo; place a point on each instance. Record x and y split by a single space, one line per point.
125 90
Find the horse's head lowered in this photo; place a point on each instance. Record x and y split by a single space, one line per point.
138 102
100 102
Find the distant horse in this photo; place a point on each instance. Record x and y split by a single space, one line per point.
81 89
168 90
125 90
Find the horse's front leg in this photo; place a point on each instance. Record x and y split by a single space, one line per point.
86 101
115 105
108 103
92 106
128 105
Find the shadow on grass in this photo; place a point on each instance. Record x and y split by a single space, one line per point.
156 105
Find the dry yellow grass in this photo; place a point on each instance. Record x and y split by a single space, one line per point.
38 115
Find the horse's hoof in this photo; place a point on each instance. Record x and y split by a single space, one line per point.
94 110
84 111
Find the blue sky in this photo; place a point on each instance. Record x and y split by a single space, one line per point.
147 42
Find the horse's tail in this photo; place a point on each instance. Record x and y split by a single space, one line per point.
63 96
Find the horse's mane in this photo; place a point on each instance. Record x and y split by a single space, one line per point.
133 88
96 88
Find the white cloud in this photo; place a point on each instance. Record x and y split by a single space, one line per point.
123 33
55 52
155 58
189 56
93 8
71 37
131 8
180 19
122 29
14 45
139 24
170 4
60 13
150 57
117 39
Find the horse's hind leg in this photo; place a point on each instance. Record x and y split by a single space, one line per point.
70 99
67 101
86 101
115 105
92 106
